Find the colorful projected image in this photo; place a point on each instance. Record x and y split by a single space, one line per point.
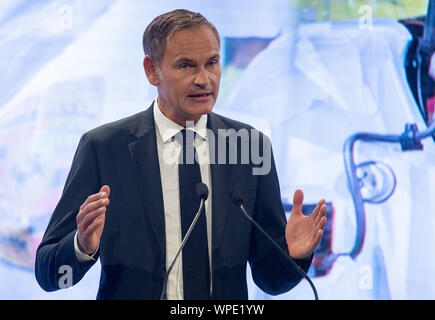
337 88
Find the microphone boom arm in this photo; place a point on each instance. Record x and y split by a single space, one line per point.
288 258
165 282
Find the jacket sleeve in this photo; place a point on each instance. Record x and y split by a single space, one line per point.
55 255
270 270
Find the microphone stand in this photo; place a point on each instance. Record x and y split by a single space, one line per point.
288 258
165 282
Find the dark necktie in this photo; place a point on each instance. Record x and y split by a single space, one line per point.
196 269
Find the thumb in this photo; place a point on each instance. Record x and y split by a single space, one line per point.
105 189
298 198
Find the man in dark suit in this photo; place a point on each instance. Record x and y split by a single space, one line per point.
131 162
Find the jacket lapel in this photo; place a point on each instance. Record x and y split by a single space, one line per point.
220 180
143 152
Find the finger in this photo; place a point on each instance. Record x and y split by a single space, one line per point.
92 216
93 198
96 225
105 189
91 210
102 202
316 210
321 210
298 199
317 238
84 208
322 223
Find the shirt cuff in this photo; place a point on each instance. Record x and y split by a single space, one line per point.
83 257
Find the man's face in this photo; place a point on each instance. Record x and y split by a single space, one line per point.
189 75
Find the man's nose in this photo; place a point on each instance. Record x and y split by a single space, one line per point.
202 78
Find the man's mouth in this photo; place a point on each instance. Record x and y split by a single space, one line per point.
198 95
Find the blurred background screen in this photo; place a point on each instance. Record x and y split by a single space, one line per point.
311 74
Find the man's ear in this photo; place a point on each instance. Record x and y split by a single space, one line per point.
151 71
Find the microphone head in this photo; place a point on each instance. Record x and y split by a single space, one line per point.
236 197
202 191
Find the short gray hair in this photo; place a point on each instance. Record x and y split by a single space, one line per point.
165 25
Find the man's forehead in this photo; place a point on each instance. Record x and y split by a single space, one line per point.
193 30
189 56
193 41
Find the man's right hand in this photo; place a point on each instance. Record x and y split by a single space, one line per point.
90 220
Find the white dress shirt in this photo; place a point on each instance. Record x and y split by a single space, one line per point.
168 149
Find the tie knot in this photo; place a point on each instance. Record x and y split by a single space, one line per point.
188 154
186 137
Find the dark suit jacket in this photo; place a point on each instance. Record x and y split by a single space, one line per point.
132 250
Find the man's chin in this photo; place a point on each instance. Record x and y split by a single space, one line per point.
199 110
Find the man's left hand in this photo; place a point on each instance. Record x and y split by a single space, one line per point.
303 233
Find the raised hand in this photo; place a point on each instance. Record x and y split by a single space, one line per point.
90 220
303 233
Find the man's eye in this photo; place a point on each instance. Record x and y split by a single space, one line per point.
212 63
184 66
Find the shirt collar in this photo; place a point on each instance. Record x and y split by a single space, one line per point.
168 128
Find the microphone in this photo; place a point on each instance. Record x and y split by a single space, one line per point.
202 193
237 199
